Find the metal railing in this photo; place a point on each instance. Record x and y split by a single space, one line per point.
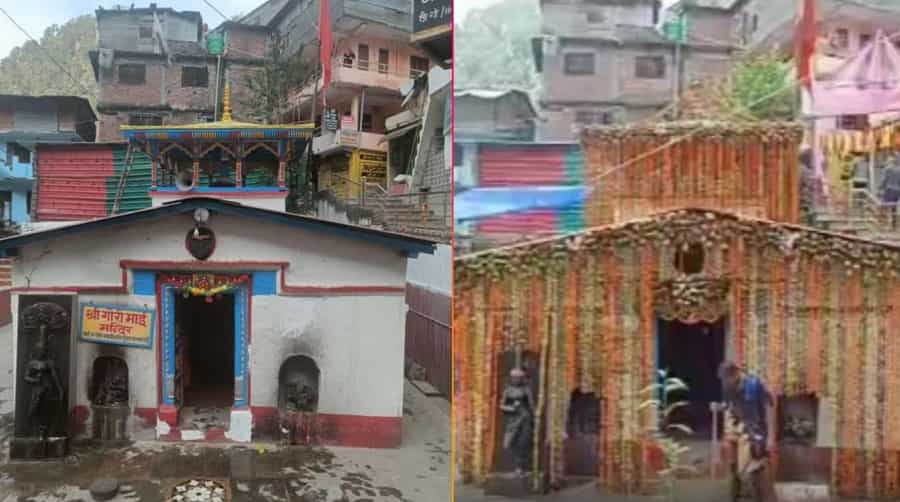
425 213
861 209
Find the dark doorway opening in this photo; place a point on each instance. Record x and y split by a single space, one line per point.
693 353
583 431
205 346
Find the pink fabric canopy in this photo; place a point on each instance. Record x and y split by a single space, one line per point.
868 83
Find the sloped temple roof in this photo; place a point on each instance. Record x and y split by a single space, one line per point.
411 246
681 226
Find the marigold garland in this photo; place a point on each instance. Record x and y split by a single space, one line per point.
802 323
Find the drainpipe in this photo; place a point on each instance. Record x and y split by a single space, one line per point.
216 105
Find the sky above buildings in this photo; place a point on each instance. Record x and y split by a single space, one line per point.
36 16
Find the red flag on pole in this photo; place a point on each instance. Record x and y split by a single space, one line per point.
805 42
325 43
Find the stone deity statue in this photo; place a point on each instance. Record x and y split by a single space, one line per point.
47 394
517 403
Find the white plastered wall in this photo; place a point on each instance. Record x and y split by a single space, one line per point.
357 341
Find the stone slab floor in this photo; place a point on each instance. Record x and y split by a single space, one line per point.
149 471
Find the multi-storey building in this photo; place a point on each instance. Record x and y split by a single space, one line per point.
24 122
606 61
159 66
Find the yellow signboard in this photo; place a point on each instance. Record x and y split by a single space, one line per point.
117 325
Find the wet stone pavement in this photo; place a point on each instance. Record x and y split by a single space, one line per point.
418 471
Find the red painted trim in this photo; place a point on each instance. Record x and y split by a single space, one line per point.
147 415
80 414
280 194
99 290
225 266
159 344
339 290
202 265
169 415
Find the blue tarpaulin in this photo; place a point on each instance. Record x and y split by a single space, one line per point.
484 202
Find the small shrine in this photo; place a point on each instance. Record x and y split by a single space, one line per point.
238 161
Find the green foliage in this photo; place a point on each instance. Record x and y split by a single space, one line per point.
673 450
493 46
270 86
761 87
29 71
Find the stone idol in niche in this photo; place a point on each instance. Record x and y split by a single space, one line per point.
41 413
113 390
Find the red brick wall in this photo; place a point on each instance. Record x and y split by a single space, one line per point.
190 98
108 127
237 75
148 94
244 43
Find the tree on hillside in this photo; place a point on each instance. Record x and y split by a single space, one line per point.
761 87
271 85
28 70
493 46
758 87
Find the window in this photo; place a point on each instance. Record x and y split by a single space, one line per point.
595 17
579 63
650 67
755 23
144 119
457 154
689 258
145 32
195 76
28 202
363 57
132 74
417 66
24 155
590 117
853 122
656 7
383 58
367 122
840 39
864 40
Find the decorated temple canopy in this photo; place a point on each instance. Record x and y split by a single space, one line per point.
229 153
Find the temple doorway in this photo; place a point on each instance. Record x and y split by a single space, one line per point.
693 353
205 347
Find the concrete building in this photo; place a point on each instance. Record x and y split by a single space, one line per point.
154 66
432 28
344 317
24 122
606 62
373 60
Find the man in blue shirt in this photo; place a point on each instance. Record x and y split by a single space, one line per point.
749 401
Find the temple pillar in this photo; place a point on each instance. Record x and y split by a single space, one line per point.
196 173
239 173
154 166
282 168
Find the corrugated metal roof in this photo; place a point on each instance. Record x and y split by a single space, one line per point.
71 182
530 165
495 94
137 188
409 244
